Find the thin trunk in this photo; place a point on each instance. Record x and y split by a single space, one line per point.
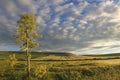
28 65
28 57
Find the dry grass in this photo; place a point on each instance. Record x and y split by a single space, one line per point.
73 67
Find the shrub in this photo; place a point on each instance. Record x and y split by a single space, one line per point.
39 71
11 60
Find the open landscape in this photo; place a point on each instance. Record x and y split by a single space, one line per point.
66 66
59 39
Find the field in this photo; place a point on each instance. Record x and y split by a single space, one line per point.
67 66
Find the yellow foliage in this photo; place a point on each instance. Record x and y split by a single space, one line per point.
39 71
11 60
26 31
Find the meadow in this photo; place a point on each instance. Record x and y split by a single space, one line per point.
63 66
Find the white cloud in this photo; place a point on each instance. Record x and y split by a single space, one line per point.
106 43
70 18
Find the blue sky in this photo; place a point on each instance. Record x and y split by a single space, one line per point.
78 26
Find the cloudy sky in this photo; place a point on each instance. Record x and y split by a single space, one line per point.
79 26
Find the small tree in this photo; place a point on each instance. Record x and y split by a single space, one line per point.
11 60
26 35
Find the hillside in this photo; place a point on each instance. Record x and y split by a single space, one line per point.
42 55
113 54
58 56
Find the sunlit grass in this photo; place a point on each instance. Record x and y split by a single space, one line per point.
61 67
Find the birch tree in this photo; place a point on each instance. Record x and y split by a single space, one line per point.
26 35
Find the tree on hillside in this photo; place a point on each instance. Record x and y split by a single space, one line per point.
26 35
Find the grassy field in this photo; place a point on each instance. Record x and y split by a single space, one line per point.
67 66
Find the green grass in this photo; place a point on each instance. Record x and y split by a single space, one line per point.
67 66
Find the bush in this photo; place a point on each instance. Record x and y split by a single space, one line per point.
11 60
38 71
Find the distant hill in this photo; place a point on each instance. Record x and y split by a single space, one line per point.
113 54
110 54
41 55
57 55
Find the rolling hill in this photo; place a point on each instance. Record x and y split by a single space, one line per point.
57 56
